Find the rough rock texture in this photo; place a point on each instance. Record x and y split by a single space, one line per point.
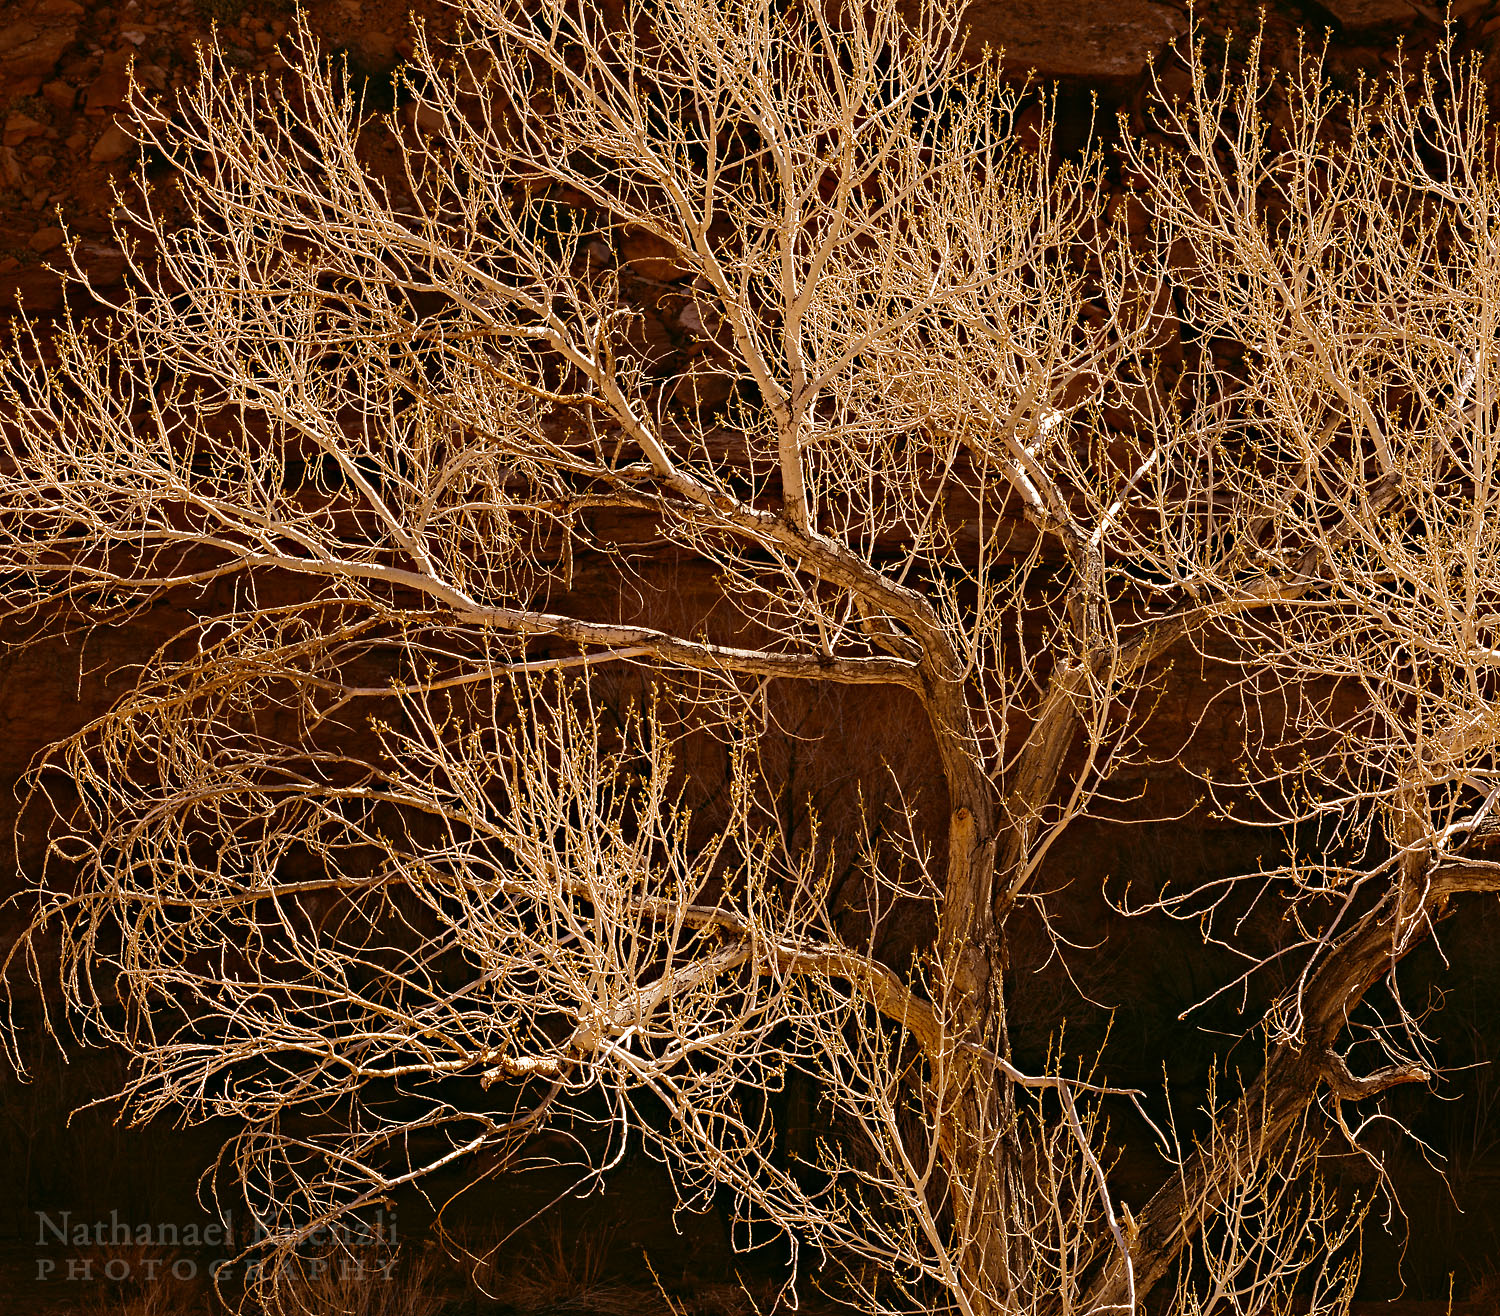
64 83
65 72
64 78
1358 15
1077 38
34 35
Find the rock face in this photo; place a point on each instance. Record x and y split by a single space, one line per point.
1077 38
1359 15
65 70
64 80
33 36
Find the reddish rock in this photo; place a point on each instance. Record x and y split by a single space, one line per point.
1076 38
650 257
425 120
33 36
60 95
111 89
40 290
19 127
112 145
47 239
103 263
379 48
43 292
1355 15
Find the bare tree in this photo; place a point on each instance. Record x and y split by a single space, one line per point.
414 829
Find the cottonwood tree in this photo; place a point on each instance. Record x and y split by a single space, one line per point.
427 836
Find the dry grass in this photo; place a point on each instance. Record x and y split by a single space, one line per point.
715 1300
137 1280
408 1287
127 1284
563 1270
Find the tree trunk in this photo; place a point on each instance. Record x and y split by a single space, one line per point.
1290 1082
